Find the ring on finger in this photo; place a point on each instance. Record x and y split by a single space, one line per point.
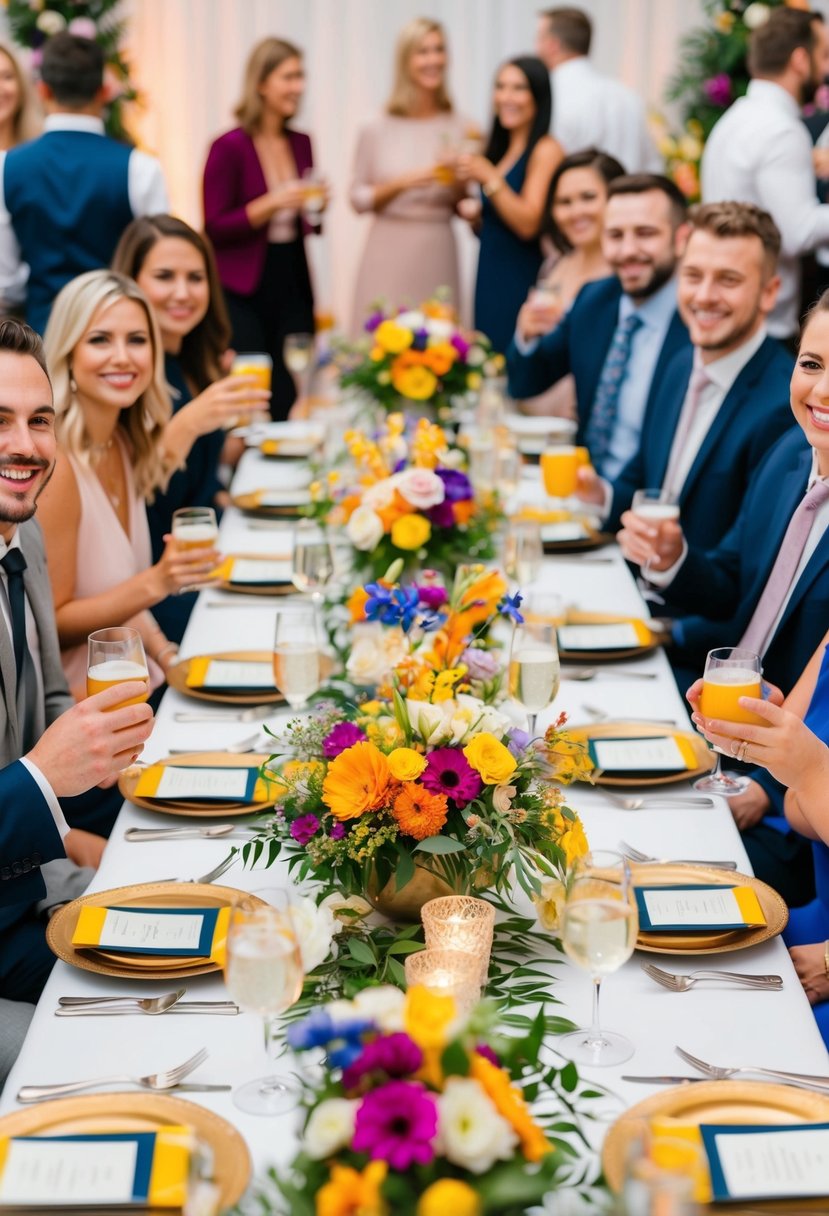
735 747
743 752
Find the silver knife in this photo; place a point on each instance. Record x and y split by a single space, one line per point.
661 1080
196 1088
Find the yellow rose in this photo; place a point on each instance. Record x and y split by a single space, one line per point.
429 1018
573 840
417 383
449 1197
406 764
393 337
377 354
490 758
410 531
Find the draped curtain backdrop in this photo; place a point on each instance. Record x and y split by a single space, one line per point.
188 58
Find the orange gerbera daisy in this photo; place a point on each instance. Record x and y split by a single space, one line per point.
357 781
419 812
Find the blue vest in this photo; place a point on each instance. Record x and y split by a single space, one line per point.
68 197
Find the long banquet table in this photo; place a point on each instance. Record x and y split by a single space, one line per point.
726 1026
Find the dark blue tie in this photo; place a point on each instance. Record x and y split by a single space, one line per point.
14 563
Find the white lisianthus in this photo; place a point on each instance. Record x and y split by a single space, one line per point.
484 717
314 926
430 722
421 487
381 494
471 1133
349 909
364 529
383 1004
330 1127
476 356
756 15
51 22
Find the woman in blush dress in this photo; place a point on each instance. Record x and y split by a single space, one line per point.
256 209
19 114
514 175
403 176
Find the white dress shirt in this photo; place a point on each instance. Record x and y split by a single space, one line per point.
591 110
760 152
34 647
146 190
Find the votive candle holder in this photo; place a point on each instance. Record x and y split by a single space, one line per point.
461 922
446 973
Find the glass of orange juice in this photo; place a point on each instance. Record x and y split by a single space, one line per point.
731 672
258 366
194 528
116 655
559 469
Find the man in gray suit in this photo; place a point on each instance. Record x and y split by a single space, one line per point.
49 747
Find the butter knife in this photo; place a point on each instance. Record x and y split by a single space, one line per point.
659 1080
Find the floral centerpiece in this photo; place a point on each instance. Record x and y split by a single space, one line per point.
420 1112
416 357
408 498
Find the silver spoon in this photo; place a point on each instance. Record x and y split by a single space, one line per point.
215 830
150 1004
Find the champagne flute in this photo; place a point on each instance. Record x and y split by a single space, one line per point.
298 352
115 656
524 551
507 470
656 507
599 934
263 974
534 668
313 559
296 655
195 528
731 672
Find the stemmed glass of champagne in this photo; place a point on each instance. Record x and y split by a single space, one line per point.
656 507
312 561
296 654
523 552
298 353
264 975
599 931
534 668
116 656
731 672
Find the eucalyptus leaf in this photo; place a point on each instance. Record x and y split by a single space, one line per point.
440 845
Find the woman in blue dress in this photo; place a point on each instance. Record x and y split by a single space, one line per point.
514 175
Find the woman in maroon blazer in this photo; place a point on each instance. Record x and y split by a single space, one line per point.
253 212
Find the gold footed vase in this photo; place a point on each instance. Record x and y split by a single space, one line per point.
404 906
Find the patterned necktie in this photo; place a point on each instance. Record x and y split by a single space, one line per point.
606 402
14 563
697 384
776 590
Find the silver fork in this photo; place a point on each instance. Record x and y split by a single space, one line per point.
211 875
681 983
802 1080
252 714
646 859
155 1080
247 744
670 801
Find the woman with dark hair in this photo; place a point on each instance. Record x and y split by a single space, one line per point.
514 176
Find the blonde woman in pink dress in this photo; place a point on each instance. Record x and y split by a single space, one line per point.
403 176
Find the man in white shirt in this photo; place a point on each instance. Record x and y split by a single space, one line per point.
591 110
760 152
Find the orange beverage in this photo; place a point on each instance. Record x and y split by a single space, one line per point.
445 174
559 468
721 689
195 536
117 671
255 366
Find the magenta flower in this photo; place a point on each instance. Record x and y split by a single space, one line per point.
483 1049
460 344
305 828
343 736
432 595
373 322
337 831
718 89
397 1123
449 772
394 1054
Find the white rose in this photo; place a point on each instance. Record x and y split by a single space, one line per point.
440 329
51 22
452 458
349 909
314 927
364 529
471 1133
756 15
367 664
476 356
413 319
381 494
421 487
484 717
383 1004
330 1128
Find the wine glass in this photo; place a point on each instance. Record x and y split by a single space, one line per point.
296 655
313 559
599 933
195 528
731 672
115 656
298 353
263 974
656 507
534 668
524 551
507 474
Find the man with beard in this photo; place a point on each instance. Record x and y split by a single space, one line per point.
49 747
622 331
760 152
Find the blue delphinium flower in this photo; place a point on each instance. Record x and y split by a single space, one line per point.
509 607
397 606
319 1029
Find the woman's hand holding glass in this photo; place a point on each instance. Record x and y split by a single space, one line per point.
179 570
221 404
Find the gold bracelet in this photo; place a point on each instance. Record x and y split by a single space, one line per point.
826 958
493 186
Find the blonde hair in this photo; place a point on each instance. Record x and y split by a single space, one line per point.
263 59
27 120
402 99
142 425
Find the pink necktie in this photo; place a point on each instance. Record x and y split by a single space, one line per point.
696 386
780 580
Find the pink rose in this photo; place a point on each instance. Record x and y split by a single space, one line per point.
421 487
83 27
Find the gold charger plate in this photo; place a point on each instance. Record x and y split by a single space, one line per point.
639 730
288 449
710 941
95 1114
281 587
139 895
200 810
718 1102
177 679
608 656
249 504
594 539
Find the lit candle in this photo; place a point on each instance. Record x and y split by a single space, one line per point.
459 922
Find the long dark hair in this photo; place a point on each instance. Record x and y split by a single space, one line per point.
538 78
202 348
606 166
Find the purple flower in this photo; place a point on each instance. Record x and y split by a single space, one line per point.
397 1123
480 664
519 741
432 595
373 321
305 828
394 1054
718 89
421 337
457 485
344 735
460 344
337 831
441 514
449 772
483 1049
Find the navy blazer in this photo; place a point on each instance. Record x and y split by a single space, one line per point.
724 584
28 838
754 414
579 344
